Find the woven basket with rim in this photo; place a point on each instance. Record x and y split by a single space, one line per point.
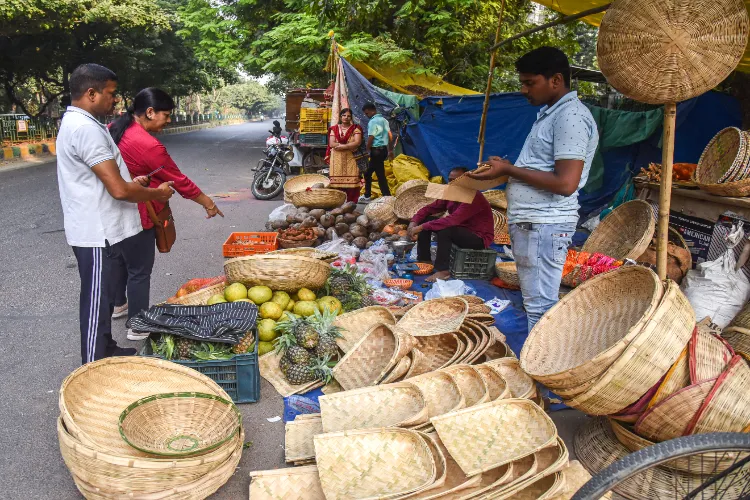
178 424
355 324
116 474
400 404
596 447
200 297
470 382
725 158
302 182
678 377
409 184
369 359
409 201
645 361
469 340
625 233
373 463
434 317
381 210
298 438
288 244
508 274
480 341
487 338
670 418
93 396
695 45
584 333
496 433
424 268
298 483
519 383
441 392
742 320
739 189
739 339
278 272
496 385
318 198
439 350
727 406
418 364
708 356
549 461
496 198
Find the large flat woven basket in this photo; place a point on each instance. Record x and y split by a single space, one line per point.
625 233
381 210
726 158
278 271
409 201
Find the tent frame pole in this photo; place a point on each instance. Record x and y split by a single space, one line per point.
486 106
665 188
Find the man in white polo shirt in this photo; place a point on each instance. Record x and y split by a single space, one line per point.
98 203
543 188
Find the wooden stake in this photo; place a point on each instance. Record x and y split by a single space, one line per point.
486 107
665 189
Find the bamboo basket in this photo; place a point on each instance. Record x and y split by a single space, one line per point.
519 471
739 189
575 476
298 483
381 210
519 383
739 339
486 339
288 273
726 408
179 424
497 199
289 244
268 365
725 158
318 198
472 299
441 470
482 437
742 320
355 324
645 361
302 182
495 351
373 463
584 333
418 365
93 396
440 391
708 356
410 184
549 461
500 225
671 417
678 377
630 46
439 350
313 253
369 359
496 385
298 438
400 370
400 404
472 344
115 474
508 274
410 201
596 448
200 297
434 317
470 382
625 233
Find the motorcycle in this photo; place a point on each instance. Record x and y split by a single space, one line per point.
270 174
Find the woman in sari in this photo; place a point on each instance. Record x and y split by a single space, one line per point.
343 140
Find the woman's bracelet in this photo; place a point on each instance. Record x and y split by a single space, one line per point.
211 208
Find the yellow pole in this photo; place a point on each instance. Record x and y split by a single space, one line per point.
665 189
483 123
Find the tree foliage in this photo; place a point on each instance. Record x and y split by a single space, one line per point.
249 96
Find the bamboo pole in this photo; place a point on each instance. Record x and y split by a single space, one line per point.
486 106
665 189
556 22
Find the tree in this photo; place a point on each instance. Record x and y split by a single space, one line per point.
249 96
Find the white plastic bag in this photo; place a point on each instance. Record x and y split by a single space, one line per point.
714 288
374 267
280 213
445 288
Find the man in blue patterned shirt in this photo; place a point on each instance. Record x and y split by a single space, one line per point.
543 188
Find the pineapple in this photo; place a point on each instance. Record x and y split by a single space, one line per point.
183 347
246 344
284 364
348 286
298 355
306 333
301 374
327 347
369 300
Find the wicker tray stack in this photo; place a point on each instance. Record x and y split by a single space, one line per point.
724 166
501 448
103 464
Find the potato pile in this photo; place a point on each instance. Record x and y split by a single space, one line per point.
345 222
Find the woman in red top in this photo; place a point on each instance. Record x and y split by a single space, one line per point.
143 154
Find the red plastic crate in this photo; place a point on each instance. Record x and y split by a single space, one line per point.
242 244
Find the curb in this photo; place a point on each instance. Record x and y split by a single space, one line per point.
201 126
26 151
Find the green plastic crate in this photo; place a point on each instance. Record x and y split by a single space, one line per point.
472 264
238 376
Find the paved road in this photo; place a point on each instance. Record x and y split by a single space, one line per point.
39 308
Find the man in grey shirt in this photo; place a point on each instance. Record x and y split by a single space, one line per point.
543 188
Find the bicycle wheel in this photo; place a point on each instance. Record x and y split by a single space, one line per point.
721 462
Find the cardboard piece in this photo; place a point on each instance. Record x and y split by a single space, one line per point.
464 188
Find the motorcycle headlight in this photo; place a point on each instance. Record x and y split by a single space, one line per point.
288 156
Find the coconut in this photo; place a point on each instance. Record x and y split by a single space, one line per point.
350 218
330 233
309 221
358 230
349 207
336 212
291 218
360 242
376 225
319 232
342 228
340 219
327 220
362 220
317 213
348 237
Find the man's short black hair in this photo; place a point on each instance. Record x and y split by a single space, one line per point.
89 76
545 61
461 170
369 107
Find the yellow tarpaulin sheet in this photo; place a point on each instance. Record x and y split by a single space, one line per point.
568 7
405 81
403 168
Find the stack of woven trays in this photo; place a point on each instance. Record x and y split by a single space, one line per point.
724 166
103 464
377 348
365 444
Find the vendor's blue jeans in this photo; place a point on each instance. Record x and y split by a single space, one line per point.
540 251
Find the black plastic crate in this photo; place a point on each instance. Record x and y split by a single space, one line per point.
238 376
472 264
313 139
